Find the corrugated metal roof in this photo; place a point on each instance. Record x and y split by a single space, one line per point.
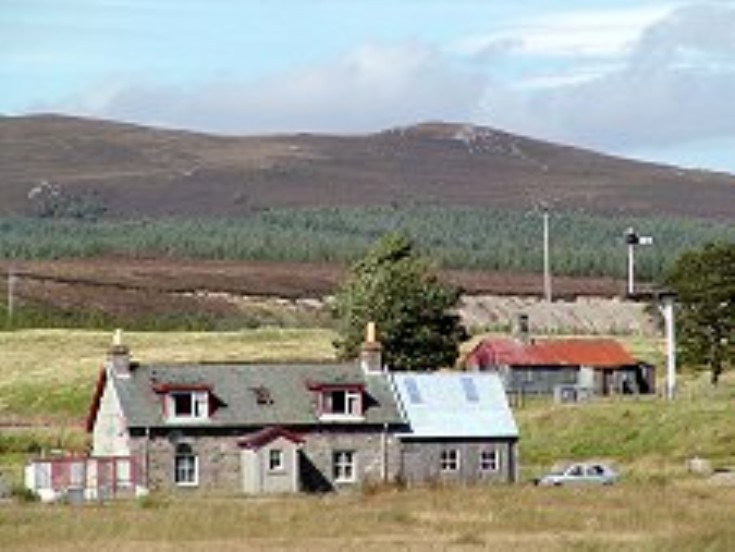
290 403
595 353
454 405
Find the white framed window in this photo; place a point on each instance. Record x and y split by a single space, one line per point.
449 460
341 404
276 460
186 466
123 472
187 405
489 460
343 466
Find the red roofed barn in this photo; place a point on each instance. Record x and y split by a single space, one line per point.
596 366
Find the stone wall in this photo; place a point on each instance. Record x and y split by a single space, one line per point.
422 462
374 453
219 458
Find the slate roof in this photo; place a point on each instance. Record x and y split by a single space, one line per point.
289 399
454 405
595 353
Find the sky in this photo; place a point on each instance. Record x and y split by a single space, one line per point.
647 79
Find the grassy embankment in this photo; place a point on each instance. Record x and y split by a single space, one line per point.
48 375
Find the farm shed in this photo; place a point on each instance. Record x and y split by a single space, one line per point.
543 367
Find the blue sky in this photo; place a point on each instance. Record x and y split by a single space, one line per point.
653 79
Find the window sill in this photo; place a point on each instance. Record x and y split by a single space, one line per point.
345 481
341 418
187 421
185 485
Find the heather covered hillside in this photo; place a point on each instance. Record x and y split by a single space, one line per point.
53 165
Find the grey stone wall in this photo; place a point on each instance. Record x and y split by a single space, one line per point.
219 459
373 454
421 462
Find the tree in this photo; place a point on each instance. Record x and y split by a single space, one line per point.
412 309
704 281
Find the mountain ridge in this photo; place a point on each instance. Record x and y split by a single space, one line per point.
129 170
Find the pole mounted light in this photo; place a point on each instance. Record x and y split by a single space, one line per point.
632 240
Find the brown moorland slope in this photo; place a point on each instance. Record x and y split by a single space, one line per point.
136 289
281 279
136 171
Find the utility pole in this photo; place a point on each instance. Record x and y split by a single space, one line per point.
632 239
547 260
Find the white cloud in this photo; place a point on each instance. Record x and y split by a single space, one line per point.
675 85
577 33
372 88
624 80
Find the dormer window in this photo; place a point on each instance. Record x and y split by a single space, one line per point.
188 405
340 403
184 403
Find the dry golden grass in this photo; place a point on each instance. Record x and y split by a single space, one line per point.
64 356
686 517
657 507
50 374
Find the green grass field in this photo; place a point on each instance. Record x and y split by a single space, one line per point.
49 376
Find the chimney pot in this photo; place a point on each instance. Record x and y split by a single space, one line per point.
118 357
371 358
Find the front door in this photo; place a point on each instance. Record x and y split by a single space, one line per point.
251 479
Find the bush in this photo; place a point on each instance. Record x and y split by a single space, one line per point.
21 494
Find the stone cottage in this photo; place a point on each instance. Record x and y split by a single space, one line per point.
263 428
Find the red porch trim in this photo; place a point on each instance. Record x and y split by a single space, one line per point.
267 435
96 399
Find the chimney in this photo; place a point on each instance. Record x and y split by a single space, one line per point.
118 357
521 328
371 358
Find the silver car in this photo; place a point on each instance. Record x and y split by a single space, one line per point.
579 473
